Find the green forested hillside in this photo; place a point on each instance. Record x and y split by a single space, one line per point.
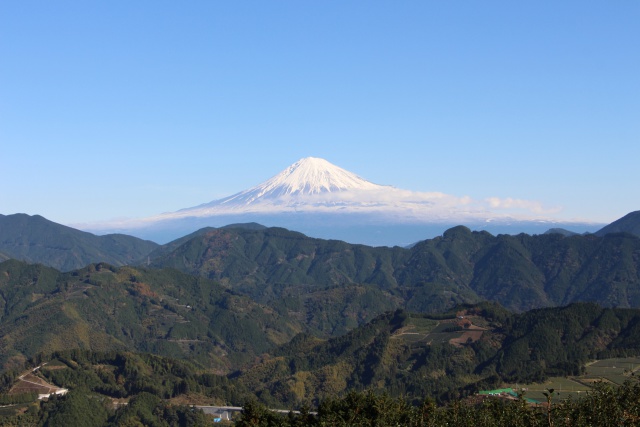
520 272
149 390
559 341
165 312
397 358
103 308
250 258
414 356
35 239
271 264
160 391
605 405
274 315
121 375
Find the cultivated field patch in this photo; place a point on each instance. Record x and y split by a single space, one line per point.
30 383
614 371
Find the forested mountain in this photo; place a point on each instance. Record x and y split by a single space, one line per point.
161 391
560 231
559 341
104 308
445 356
154 389
274 265
629 223
409 355
165 312
289 319
35 239
520 272
173 245
89 320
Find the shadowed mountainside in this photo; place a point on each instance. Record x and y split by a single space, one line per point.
629 223
35 239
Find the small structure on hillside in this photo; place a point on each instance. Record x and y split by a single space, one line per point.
59 392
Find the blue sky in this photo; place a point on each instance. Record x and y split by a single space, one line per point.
128 109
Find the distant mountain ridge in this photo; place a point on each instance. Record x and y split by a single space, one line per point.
37 240
520 272
560 231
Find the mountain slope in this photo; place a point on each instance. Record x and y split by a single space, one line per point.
37 240
415 355
629 223
312 280
562 231
521 272
104 308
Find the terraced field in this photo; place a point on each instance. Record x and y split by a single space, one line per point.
430 332
29 382
615 371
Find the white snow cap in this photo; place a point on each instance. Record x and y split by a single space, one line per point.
313 185
312 175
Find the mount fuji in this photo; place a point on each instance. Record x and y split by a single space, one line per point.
311 184
323 200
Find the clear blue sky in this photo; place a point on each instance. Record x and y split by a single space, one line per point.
131 108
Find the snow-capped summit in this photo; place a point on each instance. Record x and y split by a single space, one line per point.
319 198
309 182
305 177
